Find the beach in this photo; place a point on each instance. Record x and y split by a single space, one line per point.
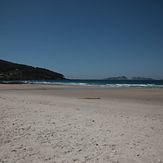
57 123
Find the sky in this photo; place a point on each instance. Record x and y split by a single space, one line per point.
88 39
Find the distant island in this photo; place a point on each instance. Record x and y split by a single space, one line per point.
117 78
14 71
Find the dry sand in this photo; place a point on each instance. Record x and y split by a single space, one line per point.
80 124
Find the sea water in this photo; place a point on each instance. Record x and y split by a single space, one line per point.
101 83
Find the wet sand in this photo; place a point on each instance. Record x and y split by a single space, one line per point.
45 123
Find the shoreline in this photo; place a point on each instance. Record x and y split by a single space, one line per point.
134 94
94 83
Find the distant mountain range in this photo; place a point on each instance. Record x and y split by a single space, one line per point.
14 71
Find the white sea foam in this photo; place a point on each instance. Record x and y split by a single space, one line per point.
93 84
134 85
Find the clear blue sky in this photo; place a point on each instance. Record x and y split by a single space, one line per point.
84 38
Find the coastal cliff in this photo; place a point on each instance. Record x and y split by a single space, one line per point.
14 71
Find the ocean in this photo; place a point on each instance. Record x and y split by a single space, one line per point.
101 83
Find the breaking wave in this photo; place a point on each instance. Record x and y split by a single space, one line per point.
100 83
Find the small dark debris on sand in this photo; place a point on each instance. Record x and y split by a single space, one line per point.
91 98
